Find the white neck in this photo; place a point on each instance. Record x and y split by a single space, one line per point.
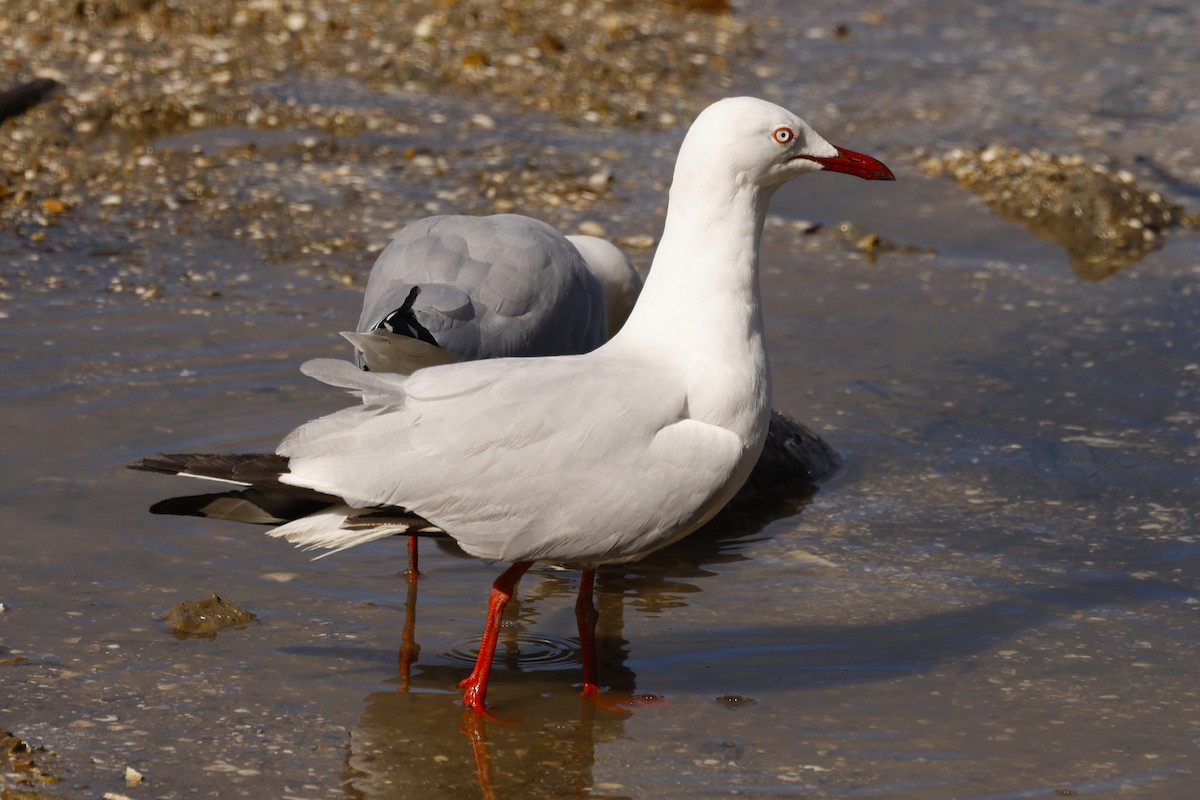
700 309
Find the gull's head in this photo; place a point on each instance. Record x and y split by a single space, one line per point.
758 142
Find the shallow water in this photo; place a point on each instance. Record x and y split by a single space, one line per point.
996 598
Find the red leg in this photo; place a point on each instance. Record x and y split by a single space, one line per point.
413 573
585 616
475 684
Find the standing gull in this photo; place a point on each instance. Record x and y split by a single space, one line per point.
579 460
461 288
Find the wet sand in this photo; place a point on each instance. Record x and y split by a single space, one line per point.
996 598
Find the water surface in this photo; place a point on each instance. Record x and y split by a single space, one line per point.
997 597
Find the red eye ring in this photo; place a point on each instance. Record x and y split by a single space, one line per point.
783 135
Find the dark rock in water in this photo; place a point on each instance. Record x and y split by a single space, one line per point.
871 243
107 12
206 617
704 6
1102 217
25 96
793 456
21 763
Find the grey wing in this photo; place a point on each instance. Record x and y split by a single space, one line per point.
487 287
542 459
544 299
414 286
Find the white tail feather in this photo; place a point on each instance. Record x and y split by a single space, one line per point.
323 530
344 374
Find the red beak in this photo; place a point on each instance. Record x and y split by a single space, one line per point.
852 163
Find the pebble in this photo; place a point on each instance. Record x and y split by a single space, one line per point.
483 121
592 228
642 241
295 21
426 26
600 180
805 557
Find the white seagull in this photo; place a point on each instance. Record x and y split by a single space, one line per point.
577 460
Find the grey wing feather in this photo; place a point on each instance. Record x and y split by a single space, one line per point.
382 351
489 287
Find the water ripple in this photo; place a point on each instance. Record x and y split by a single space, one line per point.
532 652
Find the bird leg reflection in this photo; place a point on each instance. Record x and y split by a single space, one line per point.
409 649
475 729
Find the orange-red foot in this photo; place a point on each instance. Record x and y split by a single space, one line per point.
474 705
473 695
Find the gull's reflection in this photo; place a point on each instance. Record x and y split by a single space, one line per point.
426 745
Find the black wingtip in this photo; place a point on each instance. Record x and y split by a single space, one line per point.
249 505
162 463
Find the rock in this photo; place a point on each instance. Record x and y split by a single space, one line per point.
704 6
295 22
638 242
1103 219
793 456
206 617
20 760
592 228
869 242
483 122
600 180
549 43
25 96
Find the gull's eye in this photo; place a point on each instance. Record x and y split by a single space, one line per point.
783 134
